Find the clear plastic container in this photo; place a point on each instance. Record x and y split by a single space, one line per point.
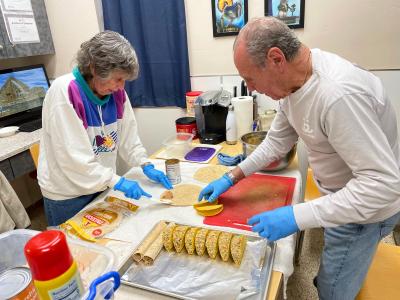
93 260
178 145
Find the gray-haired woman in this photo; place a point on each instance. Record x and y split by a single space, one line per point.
89 128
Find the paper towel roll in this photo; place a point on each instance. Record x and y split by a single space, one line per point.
243 107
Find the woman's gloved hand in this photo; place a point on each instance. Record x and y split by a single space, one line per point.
215 188
275 224
157 176
130 188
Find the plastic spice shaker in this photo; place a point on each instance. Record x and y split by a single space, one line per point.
54 271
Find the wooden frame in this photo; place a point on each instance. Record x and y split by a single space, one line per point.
228 16
289 11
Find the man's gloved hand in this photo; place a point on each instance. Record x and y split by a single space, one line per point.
130 188
215 188
157 176
274 224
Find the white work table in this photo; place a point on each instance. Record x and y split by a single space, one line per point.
134 229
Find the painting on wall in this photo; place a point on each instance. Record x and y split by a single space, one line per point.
228 16
289 11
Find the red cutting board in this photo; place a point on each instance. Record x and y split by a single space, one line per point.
252 195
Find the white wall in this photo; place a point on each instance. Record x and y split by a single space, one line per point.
156 125
365 32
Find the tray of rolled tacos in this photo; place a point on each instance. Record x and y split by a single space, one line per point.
202 262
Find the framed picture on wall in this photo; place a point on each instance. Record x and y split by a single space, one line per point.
289 11
228 16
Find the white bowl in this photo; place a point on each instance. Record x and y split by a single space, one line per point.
7 131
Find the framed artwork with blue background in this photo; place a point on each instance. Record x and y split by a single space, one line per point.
229 16
289 11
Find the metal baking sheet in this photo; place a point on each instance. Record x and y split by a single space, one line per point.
208 279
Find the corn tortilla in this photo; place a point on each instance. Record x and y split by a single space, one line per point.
238 246
183 194
212 243
167 237
210 173
224 242
200 241
178 237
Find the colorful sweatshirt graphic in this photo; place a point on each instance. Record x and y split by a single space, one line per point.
101 126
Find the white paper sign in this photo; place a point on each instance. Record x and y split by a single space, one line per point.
22 30
20 21
17 5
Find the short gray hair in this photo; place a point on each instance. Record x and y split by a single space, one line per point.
261 34
106 52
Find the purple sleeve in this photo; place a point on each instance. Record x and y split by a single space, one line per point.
120 98
76 101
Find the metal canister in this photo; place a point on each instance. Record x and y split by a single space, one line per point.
17 284
173 171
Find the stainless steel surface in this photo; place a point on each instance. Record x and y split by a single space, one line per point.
250 142
266 268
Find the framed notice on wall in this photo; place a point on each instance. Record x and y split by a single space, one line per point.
289 11
228 16
19 21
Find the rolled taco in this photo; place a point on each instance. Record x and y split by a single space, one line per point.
151 237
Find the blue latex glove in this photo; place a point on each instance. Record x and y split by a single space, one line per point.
157 176
130 188
227 160
275 224
215 188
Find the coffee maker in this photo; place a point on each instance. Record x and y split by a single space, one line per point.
210 109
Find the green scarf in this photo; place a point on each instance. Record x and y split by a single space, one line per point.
87 90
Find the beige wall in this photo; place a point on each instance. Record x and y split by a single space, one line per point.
72 22
366 32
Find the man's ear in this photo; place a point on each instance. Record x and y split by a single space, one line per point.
275 56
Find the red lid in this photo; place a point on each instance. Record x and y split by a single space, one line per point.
185 121
193 93
48 255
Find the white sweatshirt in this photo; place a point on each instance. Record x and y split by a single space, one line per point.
349 128
82 143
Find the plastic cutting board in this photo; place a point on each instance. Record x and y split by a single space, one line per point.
200 154
250 196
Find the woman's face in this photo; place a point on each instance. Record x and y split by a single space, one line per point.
106 86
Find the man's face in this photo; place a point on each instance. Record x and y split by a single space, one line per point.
265 80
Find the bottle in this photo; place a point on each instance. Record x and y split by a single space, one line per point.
231 132
55 273
267 118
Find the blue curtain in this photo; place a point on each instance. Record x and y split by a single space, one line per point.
157 31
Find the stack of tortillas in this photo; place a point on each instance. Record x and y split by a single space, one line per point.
151 246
